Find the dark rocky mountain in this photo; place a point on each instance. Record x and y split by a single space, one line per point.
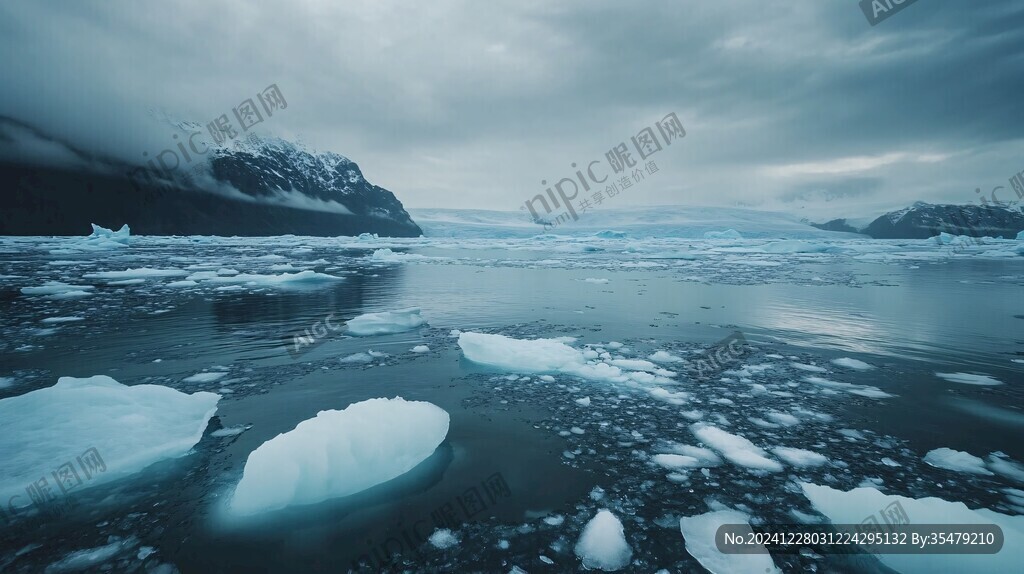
924 220
270 188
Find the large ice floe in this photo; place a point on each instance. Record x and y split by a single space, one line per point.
850 508
602 545
556 356
114 430
386 322
338 453
699 535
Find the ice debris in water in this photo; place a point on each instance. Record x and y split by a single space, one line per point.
854 364
443 539
117 429
956 460
736 449
602 545
969 379
338 453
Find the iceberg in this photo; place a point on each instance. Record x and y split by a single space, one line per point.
103 238
386 323
851 507
602 545
114 430
338 453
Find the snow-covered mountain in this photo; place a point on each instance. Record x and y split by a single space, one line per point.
923 220
661 221
270 187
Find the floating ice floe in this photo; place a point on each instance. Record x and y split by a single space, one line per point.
386 322
421 349
699 535
969 379
854 364
602 545
141 273
956 460
664 357
58 290
338 453
284 280
537 356
207 377
389 256
860 390
799 457
97 421
736 449
855 506
599 281
794 246
51 320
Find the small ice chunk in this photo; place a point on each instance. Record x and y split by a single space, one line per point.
443 539
584 402
595 280
860 390
809 368
799 457
62 319
736 449
386 323
699 535
421 349
676 461
357 358
58 290
969 379
140 273
956 460
602 545
1001 464
338 453
203 377
229 431
664 357
854 364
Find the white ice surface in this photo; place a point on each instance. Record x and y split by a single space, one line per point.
699 535
854 364
855 506
338 453
969 379
386 322
602 545
131 427
956 460
736 449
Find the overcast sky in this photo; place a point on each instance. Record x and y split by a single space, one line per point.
796 105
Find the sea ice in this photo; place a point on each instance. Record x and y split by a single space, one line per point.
855 506
338 453
203 377
699 536
854 364
386 322
956 460
444 539
969 379
860 390
664 357
799 457
736 449
140 273
59 290
421 349
602 545
130 428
